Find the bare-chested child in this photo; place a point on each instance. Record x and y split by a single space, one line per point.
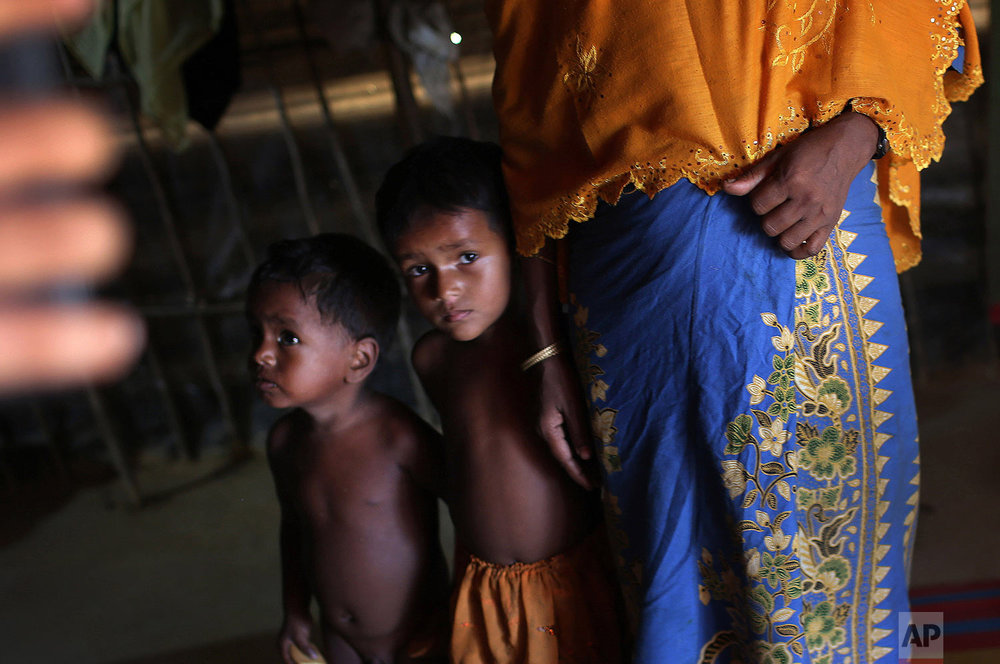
537 587
354 470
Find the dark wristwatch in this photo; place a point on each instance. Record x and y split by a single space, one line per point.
882 145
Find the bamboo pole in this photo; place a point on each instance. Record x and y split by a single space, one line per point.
181 264
94 400
169 404
50 440
333 135
294 154
232 202
471 129
404 334
103 421
399 71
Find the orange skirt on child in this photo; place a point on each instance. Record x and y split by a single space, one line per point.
561 609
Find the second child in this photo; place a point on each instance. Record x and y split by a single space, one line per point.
538 586
354 469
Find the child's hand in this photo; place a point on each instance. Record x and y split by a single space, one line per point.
799 189
563 422
296 631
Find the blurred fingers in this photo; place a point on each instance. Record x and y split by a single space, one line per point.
55 346
26 15
58 140
64 241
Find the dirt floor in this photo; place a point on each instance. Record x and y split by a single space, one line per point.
192 576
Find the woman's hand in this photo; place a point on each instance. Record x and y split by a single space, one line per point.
562 411
800 188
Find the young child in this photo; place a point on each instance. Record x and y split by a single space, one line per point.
538 586
353 468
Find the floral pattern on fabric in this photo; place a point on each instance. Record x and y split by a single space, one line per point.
763 594
587 349
582 73
811 28
808 583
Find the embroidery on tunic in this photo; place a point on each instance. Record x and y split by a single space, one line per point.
582 73
707 165
813 27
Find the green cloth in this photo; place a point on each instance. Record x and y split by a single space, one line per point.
154 38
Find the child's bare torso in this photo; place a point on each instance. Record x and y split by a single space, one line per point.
509 498
368 531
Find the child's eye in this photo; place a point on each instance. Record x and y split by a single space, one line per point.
468 257
415 270
287 338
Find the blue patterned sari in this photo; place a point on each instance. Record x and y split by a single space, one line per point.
757 425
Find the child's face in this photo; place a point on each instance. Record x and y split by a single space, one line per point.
297 358
457 270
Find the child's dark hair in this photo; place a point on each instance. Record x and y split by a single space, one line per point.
444 174
350 282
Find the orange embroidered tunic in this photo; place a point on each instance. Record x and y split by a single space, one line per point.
593 95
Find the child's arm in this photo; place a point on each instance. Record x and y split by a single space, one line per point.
562 416
296 628
426 460
428 465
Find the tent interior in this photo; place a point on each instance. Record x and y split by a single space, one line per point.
138 523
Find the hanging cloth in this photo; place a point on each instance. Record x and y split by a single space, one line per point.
423 31
155 40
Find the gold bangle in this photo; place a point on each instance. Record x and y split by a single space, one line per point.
549 351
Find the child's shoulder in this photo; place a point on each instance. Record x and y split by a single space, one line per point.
287 428
397 423
429 350
408 442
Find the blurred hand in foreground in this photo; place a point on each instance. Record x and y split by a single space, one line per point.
56 236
